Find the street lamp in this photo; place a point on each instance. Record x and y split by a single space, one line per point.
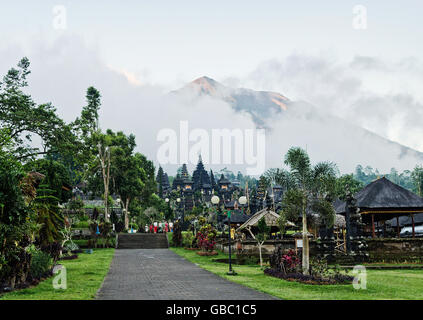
242 200
178 200
215 200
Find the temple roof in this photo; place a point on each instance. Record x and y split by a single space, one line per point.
237 217
384 195
223 180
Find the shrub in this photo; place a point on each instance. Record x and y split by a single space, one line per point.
187 238
134 226
206 238
82 225
53 249
71 246
41 264
285 262
177 235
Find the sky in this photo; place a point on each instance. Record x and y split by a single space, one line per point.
173 42
306 50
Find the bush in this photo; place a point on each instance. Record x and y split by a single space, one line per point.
134 226
206 238
170 238
41 264
119 226
71 246
285 262
187 238
177 239
82 225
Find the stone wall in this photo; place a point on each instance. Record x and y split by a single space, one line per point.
395 250
378 250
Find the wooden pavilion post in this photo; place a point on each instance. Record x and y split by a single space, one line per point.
373 226
412 224
384 229
398 230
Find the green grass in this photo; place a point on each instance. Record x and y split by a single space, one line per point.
84 277
381 284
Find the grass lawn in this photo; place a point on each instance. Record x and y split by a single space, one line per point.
84 277
381 284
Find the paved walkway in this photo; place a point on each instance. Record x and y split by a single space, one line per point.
161 274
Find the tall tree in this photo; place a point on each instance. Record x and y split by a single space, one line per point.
417 177
159 180
23 119
313 193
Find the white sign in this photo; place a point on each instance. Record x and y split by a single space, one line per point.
299 243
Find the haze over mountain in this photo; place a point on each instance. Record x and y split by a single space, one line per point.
298 123
259 104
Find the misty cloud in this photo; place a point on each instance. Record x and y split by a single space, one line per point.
340 95
383 97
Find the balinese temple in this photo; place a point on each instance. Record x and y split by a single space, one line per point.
383 200
213 181
188 193
224 187
201 185
275 192
162 180
201 180
177 182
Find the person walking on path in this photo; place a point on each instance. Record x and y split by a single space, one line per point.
171 226
166 227
155 226
146 228
151 228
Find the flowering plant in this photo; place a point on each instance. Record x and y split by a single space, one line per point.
206 238
290 261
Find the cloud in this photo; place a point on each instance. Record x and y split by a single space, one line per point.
342 97
382 96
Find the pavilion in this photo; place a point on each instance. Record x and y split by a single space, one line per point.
270 217
383 200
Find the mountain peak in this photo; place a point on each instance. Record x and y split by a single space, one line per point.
206 85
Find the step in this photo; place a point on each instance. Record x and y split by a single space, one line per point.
142 241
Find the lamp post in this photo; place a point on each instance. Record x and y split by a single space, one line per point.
178 200
215 201
242 200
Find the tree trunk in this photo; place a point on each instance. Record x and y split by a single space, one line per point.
261 258
126 214
305 251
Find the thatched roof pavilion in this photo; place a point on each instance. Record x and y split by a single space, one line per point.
382 200
270 217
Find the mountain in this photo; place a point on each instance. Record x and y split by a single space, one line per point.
298 123
259 104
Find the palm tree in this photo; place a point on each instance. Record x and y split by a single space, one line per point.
310 193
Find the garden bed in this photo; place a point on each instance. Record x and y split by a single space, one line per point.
240 262
309 279
72 257
29 283
207 253
192 249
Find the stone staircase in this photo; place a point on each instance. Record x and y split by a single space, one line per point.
142 241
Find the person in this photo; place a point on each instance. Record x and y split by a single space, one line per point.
155 226
166 227
151 228
146 228
160 227
171 226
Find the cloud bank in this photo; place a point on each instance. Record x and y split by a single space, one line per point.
344 97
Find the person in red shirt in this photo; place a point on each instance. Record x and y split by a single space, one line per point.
151 228
166 226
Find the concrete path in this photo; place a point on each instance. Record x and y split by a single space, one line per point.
160 274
